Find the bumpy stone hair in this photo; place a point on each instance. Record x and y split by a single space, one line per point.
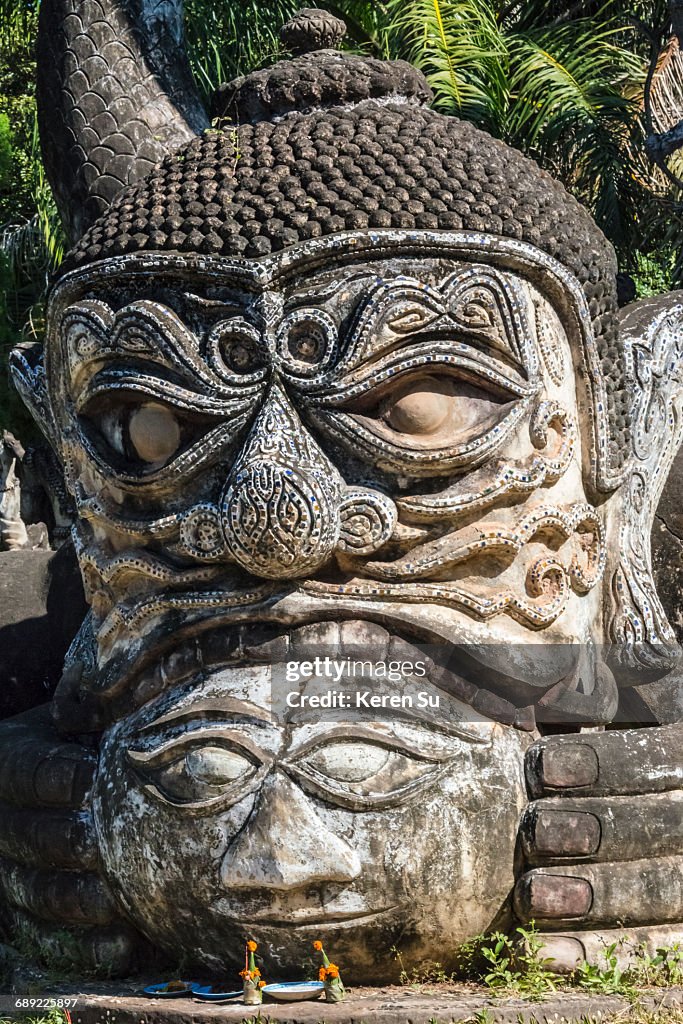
330 142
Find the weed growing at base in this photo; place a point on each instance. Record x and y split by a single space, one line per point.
515 964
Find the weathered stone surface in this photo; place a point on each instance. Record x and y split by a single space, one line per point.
559 829
633 893
312 29
614 763
344 385
667 546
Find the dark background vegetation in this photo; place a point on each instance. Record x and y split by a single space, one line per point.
562 81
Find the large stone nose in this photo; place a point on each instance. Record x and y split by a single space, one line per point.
285 845
280 508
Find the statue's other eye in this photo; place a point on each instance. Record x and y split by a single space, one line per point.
360 773
197 774
435 411
419 408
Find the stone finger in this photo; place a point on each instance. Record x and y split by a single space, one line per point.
634 893
613 763
38 769
68 897
622 828
566 951
48 838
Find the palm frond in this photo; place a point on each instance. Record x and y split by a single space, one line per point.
572 73
459 47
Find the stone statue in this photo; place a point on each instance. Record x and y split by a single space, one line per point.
339 377
36 510
13 535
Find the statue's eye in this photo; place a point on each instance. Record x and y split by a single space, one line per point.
196 773
362 773
147 433
436 411
419 408
216 766
153 432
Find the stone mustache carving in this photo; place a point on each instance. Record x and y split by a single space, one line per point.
343 377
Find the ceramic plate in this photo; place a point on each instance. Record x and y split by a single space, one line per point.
205 992
292 991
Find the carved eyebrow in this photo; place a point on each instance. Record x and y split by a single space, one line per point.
440 729
213 709
317 292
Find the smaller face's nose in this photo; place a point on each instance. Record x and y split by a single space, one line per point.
280 508
286 846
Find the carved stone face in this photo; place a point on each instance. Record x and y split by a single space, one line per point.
365 835
332 447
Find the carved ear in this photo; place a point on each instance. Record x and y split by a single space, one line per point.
115 95
28 376
652 331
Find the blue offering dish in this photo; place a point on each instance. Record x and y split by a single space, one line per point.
161 990
294 991
207 992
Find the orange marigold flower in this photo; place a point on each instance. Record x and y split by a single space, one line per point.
251 946
261 984
317 945
256 973
333 971
322 974
244 973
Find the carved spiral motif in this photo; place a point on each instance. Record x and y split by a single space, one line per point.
201 533
368 520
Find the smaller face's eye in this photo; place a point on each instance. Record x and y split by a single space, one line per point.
341 761
216 766
360 773
196 773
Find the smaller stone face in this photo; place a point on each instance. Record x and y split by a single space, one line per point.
388 831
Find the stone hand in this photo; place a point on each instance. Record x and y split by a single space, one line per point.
602 842
55 901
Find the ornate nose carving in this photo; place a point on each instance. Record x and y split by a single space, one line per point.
280 508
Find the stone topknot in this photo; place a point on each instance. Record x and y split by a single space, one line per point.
312 29
317 76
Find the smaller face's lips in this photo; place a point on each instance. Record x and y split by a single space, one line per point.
221 644
312 919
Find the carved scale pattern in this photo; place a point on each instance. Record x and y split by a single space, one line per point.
105 117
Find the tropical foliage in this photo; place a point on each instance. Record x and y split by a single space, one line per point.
560 79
